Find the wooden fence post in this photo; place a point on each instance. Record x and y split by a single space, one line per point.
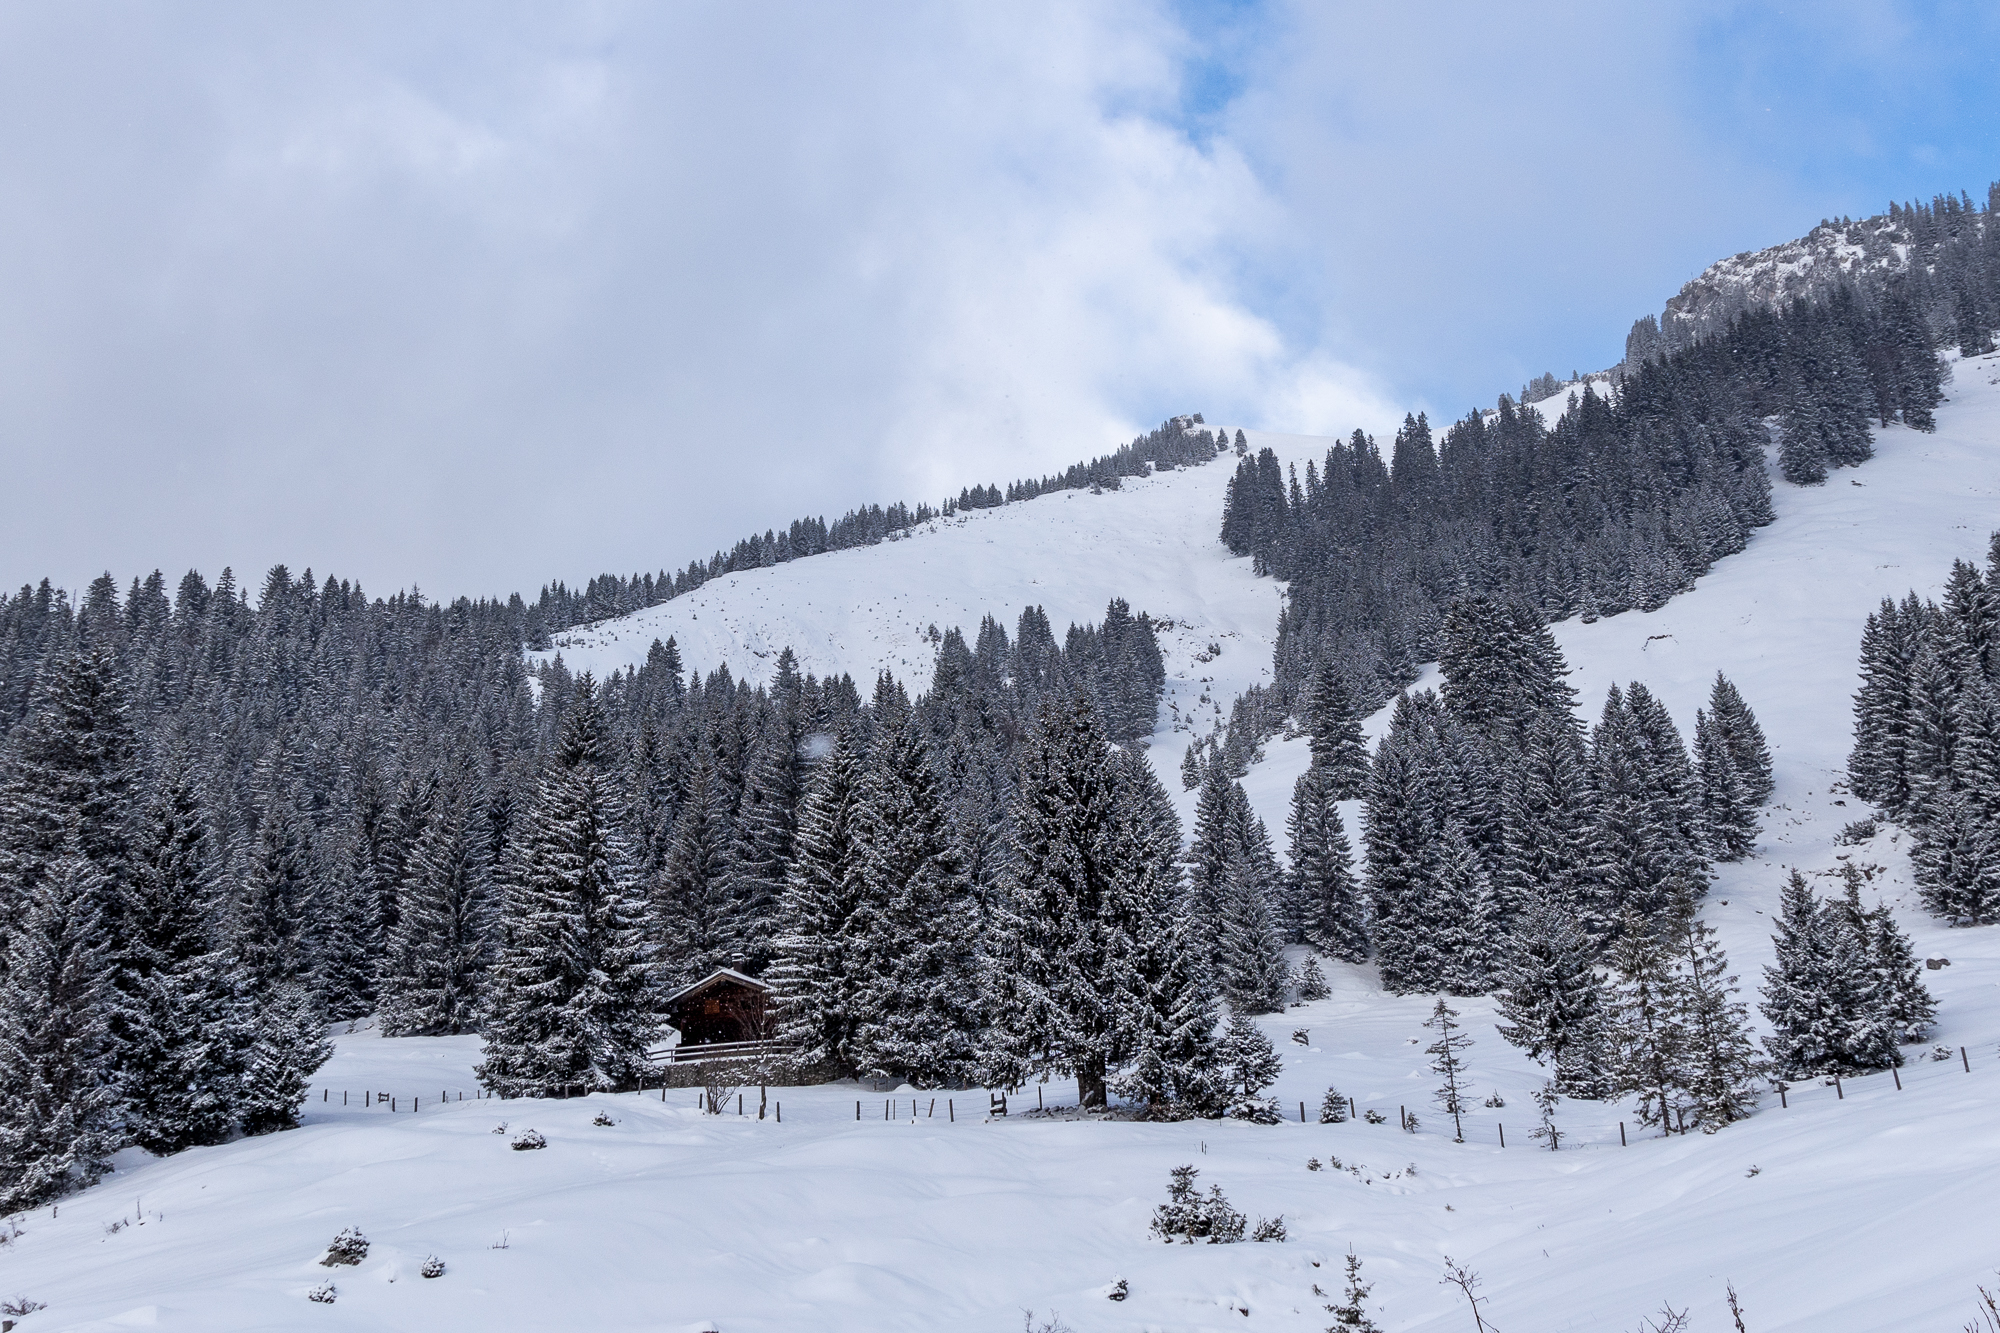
1838 1095
1964 1060
950 1111
1503 1134
1621 1135
1898 1077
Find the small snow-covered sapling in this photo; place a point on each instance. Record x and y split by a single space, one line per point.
349 1247
529 1140
433 1266
323 1293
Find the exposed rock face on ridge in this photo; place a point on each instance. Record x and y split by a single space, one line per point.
1939 250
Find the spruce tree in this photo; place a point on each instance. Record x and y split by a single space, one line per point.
1898 979
288 1045
178 1068
1551 844
818 975
1171 1015
1321 879
1745 739
58 1098
919 957
68 773
435 969
1333 724
1250 965
695 909
1069 960
348 945
1649 1040
765 829
1829 1009
1720 1057
1208 852
1465 924
1448 1063
1728 816
1955 857
1551 1001
1249 1062
571 1004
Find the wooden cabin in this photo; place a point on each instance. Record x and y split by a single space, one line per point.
724 1008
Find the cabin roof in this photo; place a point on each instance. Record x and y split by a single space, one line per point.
721 974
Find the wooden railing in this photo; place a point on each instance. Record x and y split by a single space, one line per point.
715 1050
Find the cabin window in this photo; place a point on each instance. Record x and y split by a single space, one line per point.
711 1006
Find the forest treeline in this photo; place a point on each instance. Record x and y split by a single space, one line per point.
1619 505
1179 442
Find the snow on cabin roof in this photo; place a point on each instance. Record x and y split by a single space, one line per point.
720 974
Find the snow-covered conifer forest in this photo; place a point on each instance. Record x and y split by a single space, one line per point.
1542 870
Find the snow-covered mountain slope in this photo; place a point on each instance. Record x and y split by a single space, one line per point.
1866 1207
862 611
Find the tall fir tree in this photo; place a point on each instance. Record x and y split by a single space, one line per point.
1250 965
68 773
695 907
1744 738
288 1044
1326 898
920 956
1728 815
435 970
1648 1036
1827 1006
818 975
58 1095
571 998
1551 1001
178 1066
1333 725
1069 958
1171 1016
1721 1059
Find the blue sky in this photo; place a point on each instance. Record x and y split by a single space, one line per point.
472 295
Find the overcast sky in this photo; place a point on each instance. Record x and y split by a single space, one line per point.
473 296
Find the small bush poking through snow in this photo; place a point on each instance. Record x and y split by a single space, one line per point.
1257 1110
529 1140
1188 1216
1312 1163
1333 1108
500 1128
21 1306
1373 1116
1269 1228
1861 830
1119 1290
349 1247
1496 1101
433 1267
1942 1052
1310 981
601 1118
323 1293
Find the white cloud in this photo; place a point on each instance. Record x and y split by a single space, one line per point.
473 300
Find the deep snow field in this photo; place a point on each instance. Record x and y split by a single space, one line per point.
1866 1208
